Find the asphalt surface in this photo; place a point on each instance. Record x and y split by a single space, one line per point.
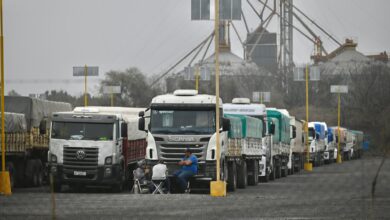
336 191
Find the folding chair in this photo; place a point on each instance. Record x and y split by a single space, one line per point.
158 184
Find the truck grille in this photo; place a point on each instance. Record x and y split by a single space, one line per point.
175 152
88 163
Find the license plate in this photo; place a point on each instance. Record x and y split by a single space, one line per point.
79 173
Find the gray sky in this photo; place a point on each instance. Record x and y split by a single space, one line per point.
44 39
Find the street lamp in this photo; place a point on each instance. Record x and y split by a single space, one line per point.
314 76
338 89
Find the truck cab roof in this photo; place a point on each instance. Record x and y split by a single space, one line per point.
185 97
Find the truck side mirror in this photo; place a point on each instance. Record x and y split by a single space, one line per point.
272 129
141 124
225 124
124 130
42 127
141 114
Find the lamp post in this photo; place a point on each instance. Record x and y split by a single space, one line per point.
338 89
5 188
314 76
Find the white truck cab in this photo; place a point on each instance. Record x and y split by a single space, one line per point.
86 146
184 119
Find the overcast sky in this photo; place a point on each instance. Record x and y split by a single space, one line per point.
44 39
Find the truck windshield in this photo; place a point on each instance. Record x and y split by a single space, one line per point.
312 133
183 121
82 131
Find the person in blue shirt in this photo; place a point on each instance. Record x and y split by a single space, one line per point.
189 168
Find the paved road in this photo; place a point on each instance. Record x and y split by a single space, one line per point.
329 192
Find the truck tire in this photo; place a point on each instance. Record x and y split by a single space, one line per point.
57 187
12 175
37 173
253 179
118 187
242 177
266 177
278 168
232 176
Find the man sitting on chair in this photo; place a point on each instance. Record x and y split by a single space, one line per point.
160 172
189 168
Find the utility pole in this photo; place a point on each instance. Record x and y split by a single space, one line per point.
5 188
218 187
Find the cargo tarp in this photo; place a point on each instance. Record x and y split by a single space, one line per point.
283 125
14 122
251 127
235 126
35 110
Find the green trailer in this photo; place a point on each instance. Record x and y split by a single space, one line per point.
279 127
244 149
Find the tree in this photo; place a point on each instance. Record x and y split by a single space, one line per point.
135 90
13 93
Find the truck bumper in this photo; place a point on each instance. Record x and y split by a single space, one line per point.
103 175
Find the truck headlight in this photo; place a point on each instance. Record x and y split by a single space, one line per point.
53 158
108 160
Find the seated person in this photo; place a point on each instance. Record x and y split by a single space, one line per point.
160 172
189 168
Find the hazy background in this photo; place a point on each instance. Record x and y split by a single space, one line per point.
44 39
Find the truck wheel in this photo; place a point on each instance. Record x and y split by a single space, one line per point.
272 175
266 177
57 187
253 179
118 187
277 169
284 171
11 170
242 177
232 176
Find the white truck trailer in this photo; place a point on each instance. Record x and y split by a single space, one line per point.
95 146
242 106
26 138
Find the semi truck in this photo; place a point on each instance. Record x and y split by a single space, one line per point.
346 142
92 146
186 119
279 127
358 145
26 138
297 150
317 143
332 146
242 106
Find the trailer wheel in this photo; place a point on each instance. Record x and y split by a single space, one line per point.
253 179
242 177
232 176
